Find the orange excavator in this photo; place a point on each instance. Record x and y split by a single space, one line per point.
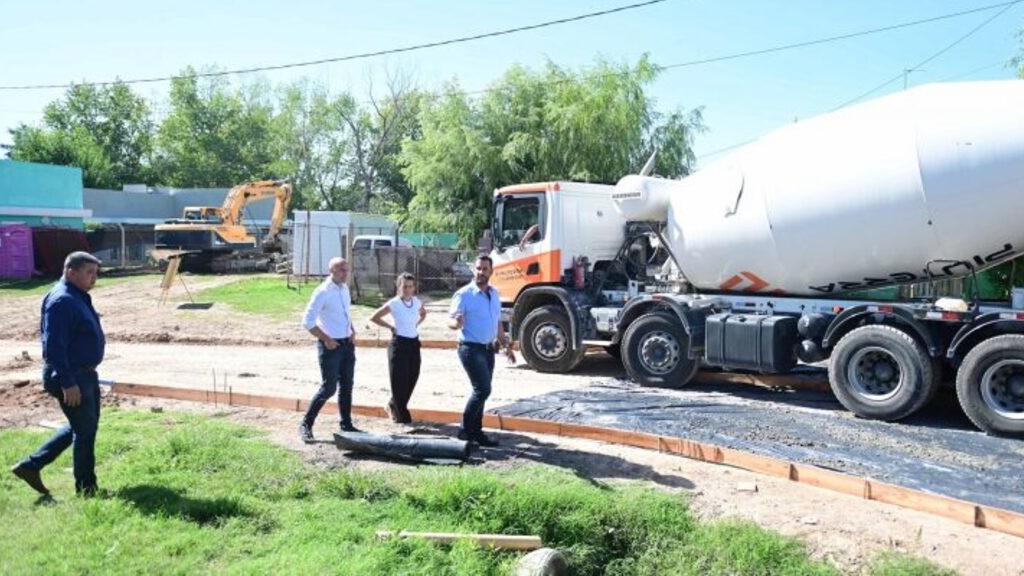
214 239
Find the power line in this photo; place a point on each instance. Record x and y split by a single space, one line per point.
930 58
360 56
956 76
960 75
1005 5
508 31
759 52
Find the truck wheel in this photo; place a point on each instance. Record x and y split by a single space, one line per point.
990 385
546 341
882 373
655 352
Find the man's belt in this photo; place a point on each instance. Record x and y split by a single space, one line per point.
488 347
78 367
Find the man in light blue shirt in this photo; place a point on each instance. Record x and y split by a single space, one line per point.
476 313
328 317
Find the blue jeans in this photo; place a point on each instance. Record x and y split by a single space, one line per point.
80 431
337 368
478 361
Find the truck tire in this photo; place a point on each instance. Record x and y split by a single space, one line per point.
655 352
990 385
546 341
880 372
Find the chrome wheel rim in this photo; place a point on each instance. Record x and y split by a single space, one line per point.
874 373
659 353
1002 389
550 341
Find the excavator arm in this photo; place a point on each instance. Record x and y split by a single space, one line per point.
239 196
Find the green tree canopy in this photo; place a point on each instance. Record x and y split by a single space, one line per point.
214 136
593 125
314 143
104 130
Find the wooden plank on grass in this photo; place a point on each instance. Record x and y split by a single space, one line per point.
500 541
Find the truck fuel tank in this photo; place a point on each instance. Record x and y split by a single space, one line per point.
752 342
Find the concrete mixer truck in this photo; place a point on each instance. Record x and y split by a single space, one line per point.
755 262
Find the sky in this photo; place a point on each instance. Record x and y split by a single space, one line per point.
742 96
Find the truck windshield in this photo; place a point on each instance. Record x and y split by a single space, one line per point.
518 216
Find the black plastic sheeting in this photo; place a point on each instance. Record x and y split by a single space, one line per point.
936 451
403 447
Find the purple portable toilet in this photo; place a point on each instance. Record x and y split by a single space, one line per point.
16 259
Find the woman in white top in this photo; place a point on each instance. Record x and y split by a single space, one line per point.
406 312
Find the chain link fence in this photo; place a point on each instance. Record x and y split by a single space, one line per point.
437 270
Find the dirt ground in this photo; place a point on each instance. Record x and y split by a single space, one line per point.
220 348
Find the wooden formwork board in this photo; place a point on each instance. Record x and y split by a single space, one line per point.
986 517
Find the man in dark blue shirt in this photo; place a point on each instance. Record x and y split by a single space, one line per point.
73 344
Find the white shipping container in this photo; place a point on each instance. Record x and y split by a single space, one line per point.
319 236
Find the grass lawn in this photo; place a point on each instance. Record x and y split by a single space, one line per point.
267 296
196 494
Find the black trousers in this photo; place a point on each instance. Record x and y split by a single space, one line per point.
404 368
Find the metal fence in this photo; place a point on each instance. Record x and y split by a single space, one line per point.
121 244
436 269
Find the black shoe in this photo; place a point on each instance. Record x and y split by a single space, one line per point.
93 492
392 412
479 438
484 440
405 417
348 427
31 477
306 434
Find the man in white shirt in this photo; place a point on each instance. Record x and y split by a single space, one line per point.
328 317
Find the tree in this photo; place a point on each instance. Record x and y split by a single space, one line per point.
447 167
343 152
314 143
377 130
214 136
594 125
105 130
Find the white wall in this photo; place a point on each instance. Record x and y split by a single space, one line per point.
319 236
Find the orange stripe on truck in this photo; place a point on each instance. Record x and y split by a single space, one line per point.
511 277
530 188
